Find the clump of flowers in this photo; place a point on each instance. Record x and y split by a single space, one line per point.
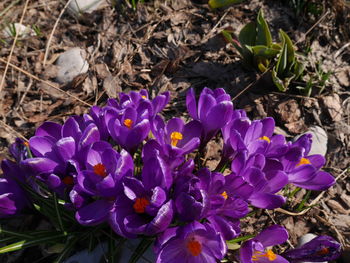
124 168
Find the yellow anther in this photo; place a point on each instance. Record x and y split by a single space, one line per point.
224 194
303 161
269 255
128 123
265 138
175 138
144 97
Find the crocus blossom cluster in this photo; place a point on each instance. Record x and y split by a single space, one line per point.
125 165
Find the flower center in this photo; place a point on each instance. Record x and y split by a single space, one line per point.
140 205
269 255
265 138
194 247
224 194
100 170
144 97
175 138
323 251
303 161
68 180
128 123
26 144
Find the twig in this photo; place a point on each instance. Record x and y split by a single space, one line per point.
46 82
13 47
214 28
314 202
249 85
53 31
302 39
9 128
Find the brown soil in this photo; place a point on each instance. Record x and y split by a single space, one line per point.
175 45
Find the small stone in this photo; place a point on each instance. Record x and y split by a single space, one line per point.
333 105
77 7
22 31
303 240
71 64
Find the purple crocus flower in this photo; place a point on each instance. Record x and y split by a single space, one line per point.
225 208
263 185
104 169
176 137
138 210
192 243
254 137
303 170
214 110
256 250
134 99
130 128
321 248
58 150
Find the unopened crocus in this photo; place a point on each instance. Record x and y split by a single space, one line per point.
319 249
257 250
192 243
214 111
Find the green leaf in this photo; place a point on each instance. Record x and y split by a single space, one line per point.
263 31
31 242
67 249
228 37
239 239
264 51
141 248
277 81
298 69
290 49
223 3
247 36
282 60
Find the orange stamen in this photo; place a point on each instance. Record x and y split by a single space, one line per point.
68 180
224 194
303 161
265 138
323 251
269 255
100 170
140 205
26 144
128 123
175 138
194 247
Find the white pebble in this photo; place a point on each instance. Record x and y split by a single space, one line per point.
23 31
71 64
77 7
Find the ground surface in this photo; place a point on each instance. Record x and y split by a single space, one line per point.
174 45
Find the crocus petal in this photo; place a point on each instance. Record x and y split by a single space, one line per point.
219 115
49 129
302 174
191 104
273 235
266 200
94 213
39 165
90 135
41 145
321 181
